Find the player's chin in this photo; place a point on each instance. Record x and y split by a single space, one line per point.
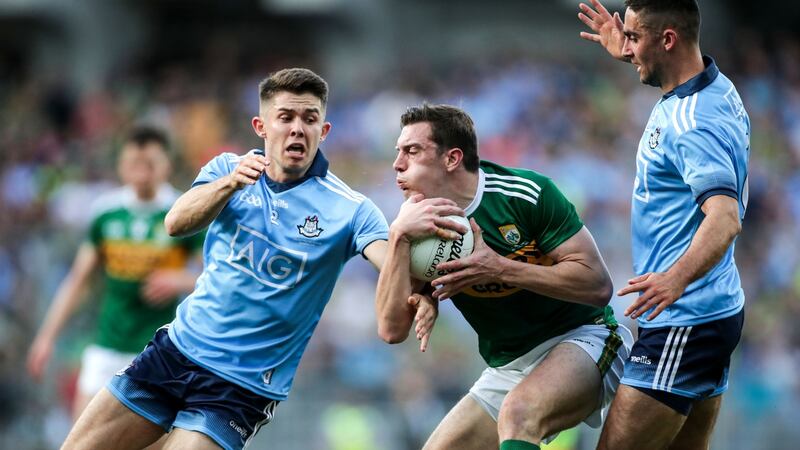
408 193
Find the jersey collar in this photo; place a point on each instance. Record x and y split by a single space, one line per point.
698 82
476 201
318 168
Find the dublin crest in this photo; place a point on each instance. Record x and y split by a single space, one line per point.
311 228
654 138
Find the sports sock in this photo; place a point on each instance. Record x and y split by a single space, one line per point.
513 444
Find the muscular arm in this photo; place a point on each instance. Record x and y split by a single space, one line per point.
197 208
394 306
713 237
66 301
709 243
578 275
395 315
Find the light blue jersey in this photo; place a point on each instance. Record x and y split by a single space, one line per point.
696 145
272 257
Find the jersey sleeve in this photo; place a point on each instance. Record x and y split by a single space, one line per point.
703 158
222 165
369 225
94 235
555 218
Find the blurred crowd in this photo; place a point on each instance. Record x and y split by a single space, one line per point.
577 121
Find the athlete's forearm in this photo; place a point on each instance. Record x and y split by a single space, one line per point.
395 315
69 294
198 207
710 242
573 280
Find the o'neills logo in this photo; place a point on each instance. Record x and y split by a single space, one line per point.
456 248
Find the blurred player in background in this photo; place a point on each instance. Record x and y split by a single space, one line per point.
688 202
144 269
535 289
281 227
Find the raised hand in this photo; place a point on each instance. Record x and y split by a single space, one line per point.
250 168
607 28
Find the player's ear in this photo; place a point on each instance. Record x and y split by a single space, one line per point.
669 38
258 127
326 128
453 158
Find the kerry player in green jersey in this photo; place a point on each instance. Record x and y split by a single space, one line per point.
144 269
535 289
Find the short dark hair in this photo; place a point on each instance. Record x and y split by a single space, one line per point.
142 135
295 80
683 15
451 127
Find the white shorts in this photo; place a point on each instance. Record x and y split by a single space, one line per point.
98 365
495 382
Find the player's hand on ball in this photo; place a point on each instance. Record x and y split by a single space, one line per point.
483 265
425 318
420 217
248 171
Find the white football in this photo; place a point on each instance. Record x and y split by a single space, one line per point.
427 253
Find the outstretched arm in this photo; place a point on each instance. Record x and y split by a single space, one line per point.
65 302
197 208
578 274
607 28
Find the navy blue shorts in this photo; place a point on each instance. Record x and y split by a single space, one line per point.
165 387
679 365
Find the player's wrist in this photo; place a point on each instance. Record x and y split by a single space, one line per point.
231 184
398 236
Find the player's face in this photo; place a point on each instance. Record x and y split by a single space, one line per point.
143 168
643 47
292 126
419 167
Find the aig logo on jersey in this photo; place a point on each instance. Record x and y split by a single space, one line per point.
510 233
269 263
310 228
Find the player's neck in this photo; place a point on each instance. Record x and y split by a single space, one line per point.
463 188
278 175
145 195
685 66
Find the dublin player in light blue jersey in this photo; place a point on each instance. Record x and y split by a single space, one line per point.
689 199
281 226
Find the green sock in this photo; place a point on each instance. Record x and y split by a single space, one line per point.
513 444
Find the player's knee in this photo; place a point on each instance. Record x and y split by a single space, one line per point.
523 417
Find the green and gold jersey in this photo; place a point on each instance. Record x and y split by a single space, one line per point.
132 242
523 216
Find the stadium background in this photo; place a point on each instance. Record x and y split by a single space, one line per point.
75 74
